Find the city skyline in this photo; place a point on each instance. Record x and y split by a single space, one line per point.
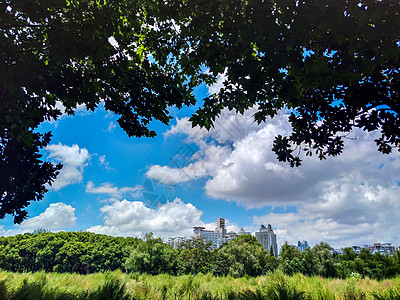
266 236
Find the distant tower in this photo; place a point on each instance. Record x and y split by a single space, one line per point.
302 246
221 226
267 238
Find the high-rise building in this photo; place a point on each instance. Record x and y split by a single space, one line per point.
217 237
221 226
302 246
267 238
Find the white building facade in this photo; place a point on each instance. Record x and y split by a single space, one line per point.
175 241
217 237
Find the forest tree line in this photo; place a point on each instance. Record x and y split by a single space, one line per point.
86 252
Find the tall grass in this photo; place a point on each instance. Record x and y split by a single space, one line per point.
118 285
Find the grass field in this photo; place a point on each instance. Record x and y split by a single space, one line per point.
117 285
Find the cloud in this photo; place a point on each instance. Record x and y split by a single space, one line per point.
215 88
315 230
111 127
74 160
197 157
103 162
80 109
133 218
237 160
186 168
349 198
343 216
108 189
56 217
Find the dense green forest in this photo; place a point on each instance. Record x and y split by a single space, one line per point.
86 252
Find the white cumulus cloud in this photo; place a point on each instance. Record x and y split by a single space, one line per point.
74 160
134 218
56 217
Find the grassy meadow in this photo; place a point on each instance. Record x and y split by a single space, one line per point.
118 285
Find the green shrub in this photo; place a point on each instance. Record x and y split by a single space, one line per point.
112 289
351 292
27 291
390 294
281 290
3 289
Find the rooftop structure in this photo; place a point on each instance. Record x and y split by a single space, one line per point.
302 246
233 235
383 248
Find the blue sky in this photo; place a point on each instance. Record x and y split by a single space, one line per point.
188 177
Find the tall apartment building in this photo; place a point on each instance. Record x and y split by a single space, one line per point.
217 237
221 226
267 238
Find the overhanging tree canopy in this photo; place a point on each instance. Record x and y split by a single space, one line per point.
334 63
60 51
